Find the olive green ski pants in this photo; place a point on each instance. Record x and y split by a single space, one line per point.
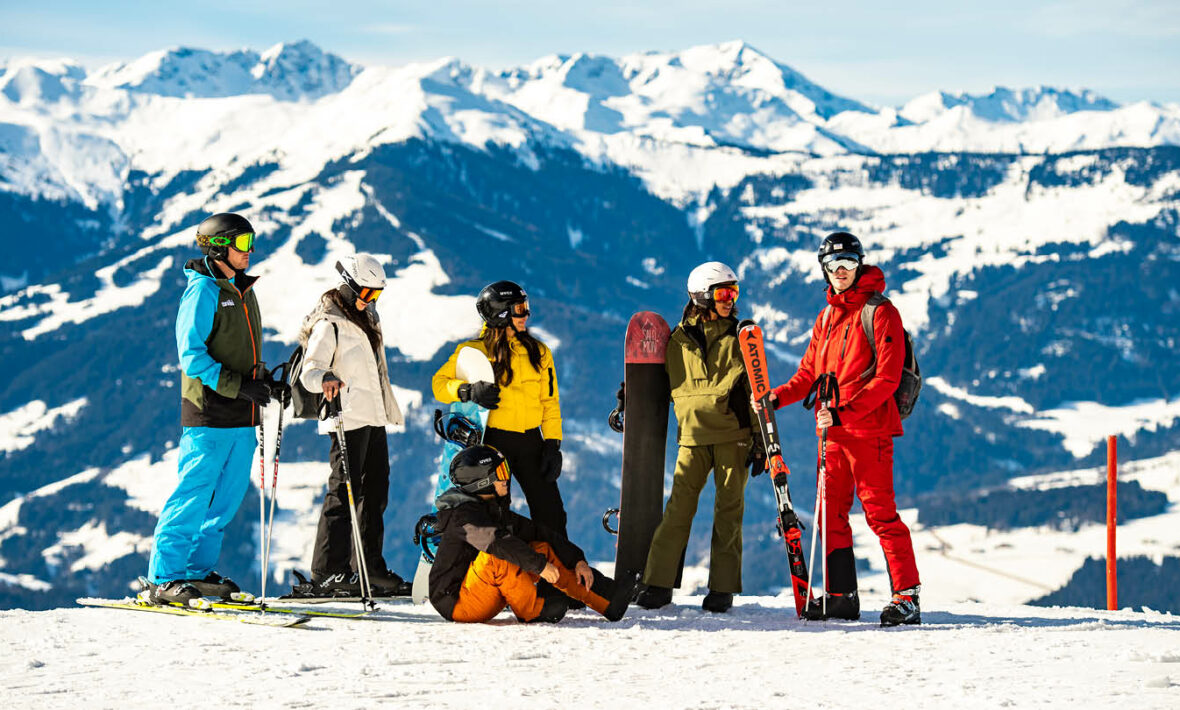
693 464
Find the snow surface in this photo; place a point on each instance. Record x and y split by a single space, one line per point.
757 656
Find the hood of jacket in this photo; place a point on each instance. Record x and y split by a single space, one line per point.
871 279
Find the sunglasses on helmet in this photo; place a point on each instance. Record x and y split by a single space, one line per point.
520 310
243 242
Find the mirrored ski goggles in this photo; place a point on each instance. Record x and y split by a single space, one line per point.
835 262
368 295
242 242
726 294
520 310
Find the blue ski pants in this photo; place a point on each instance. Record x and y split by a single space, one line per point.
214 473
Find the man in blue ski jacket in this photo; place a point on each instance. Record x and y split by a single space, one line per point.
223 387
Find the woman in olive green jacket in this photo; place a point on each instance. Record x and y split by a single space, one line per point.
711 398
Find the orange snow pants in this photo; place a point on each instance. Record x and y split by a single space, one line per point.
492 583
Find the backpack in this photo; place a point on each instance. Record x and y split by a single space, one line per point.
910 385
305 404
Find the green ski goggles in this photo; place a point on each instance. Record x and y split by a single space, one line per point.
243 242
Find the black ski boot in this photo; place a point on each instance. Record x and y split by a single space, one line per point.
553 611
341 584
653 597
903 609
389 584
214 585
840 606
621 598
177 591
717 602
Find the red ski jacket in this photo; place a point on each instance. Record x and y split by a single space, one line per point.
839 344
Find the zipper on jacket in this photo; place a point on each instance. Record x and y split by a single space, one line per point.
253 348
844 343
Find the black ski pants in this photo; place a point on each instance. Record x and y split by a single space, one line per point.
523 451
368 464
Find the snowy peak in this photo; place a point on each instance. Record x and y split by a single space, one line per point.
1008 105
40 81
724 94
741 64
289 72
301 69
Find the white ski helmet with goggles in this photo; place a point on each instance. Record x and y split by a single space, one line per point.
705 279
363 275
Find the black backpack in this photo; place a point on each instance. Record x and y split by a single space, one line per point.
305 404
910 385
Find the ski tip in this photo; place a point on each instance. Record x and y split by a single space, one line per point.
747 323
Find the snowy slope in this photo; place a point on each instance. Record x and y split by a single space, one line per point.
758 656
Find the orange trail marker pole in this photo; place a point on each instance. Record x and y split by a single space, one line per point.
1112 582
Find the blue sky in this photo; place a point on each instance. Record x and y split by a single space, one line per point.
879 52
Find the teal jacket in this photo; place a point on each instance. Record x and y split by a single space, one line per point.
219 340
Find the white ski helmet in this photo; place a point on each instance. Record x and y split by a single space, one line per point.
705 278
362 274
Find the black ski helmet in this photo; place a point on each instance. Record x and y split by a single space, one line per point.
495 302
840 243
476 469
223 224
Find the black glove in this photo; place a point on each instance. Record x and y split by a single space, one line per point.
621 395
281 391
485 394
256 391
551 460
756 459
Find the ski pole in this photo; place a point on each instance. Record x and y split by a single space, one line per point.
357 542
829 394
262 552
274 478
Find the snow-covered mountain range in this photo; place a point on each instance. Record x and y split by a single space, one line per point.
1030 238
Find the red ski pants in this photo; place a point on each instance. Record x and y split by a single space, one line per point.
865 465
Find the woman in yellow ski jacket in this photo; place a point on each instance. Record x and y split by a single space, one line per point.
524 418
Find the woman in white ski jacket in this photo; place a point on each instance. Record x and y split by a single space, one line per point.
345 355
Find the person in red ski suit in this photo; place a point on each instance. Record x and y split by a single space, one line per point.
861 427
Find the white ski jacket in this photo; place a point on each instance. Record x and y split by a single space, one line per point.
366 396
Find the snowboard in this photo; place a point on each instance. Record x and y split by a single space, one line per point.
471 365
754 357
645 433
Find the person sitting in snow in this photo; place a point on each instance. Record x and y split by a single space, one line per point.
490 557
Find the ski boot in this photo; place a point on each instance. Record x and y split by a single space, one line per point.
389 584
214 585
903 609
177 591
717 602
653 597
621 597
840 606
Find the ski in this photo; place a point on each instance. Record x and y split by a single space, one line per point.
267 608
754 356
336 600
245 617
